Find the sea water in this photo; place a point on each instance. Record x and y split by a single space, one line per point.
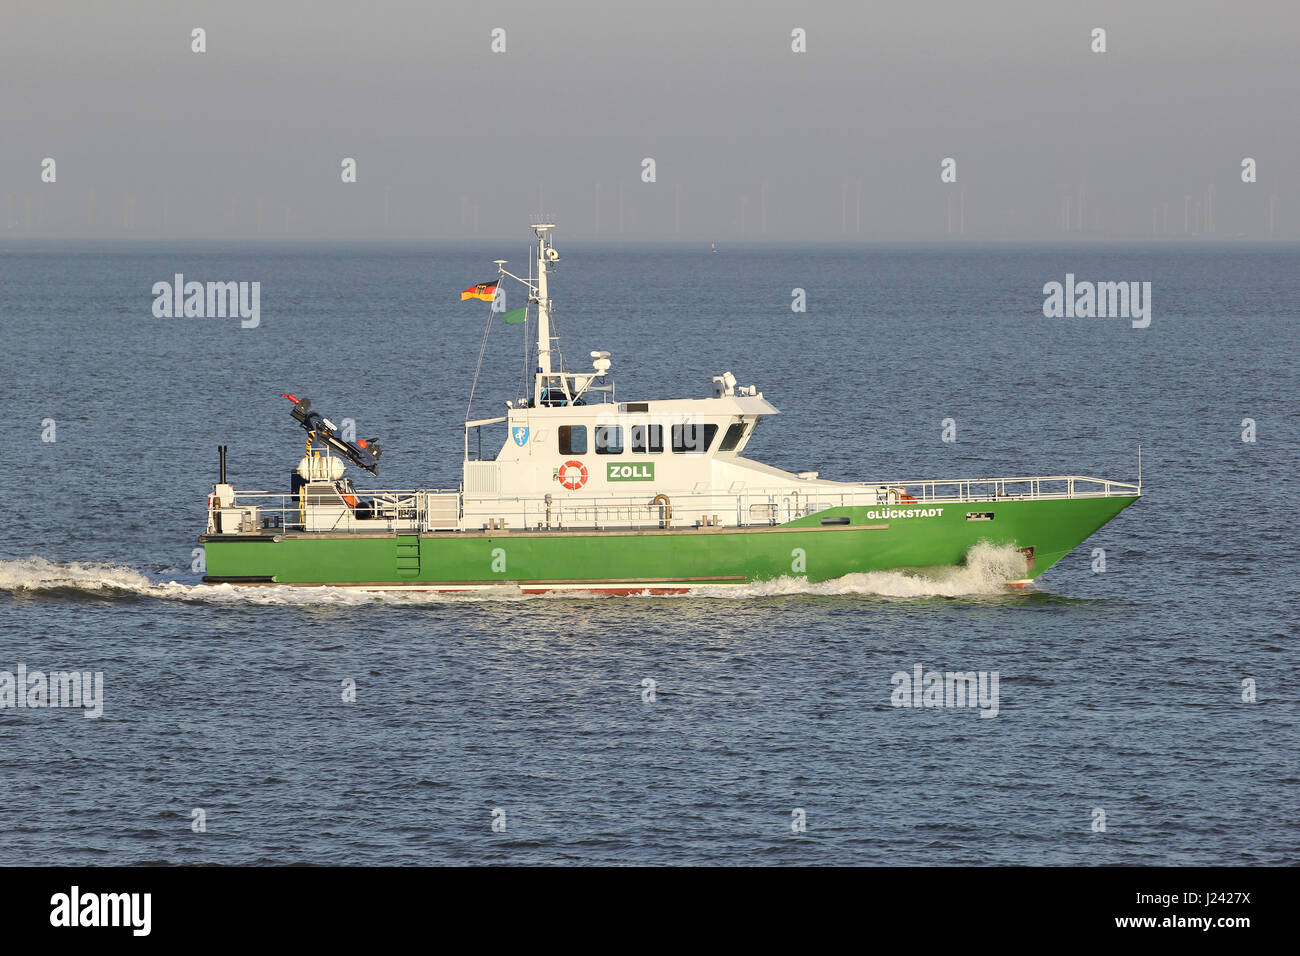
1148 676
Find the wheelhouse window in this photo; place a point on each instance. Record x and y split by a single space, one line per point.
693 439
647 438
609 439
573 439
732 438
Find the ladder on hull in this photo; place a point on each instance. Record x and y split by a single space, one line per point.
408 555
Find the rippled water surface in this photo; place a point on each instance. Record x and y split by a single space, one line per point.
1119 691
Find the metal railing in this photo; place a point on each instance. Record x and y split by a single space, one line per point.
992 489
413 510
409 510
746 509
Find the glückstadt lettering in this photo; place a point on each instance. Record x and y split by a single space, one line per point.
1086 300
904 513
38 689
924 688
195 300
103 909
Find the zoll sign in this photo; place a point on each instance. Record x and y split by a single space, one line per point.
641 471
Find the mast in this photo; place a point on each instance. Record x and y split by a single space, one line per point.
546 255
537 292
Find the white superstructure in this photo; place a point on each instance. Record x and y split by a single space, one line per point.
571 441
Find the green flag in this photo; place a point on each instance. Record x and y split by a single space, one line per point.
515 316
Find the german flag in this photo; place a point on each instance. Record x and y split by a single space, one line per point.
484 290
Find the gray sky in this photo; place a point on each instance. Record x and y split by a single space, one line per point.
246 140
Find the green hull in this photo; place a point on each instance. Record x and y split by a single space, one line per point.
667 560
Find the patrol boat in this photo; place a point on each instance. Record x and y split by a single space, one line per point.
587 492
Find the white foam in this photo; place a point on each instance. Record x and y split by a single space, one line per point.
987 571
38 574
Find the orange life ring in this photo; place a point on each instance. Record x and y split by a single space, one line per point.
572 474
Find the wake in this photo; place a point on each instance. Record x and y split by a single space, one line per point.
986 572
